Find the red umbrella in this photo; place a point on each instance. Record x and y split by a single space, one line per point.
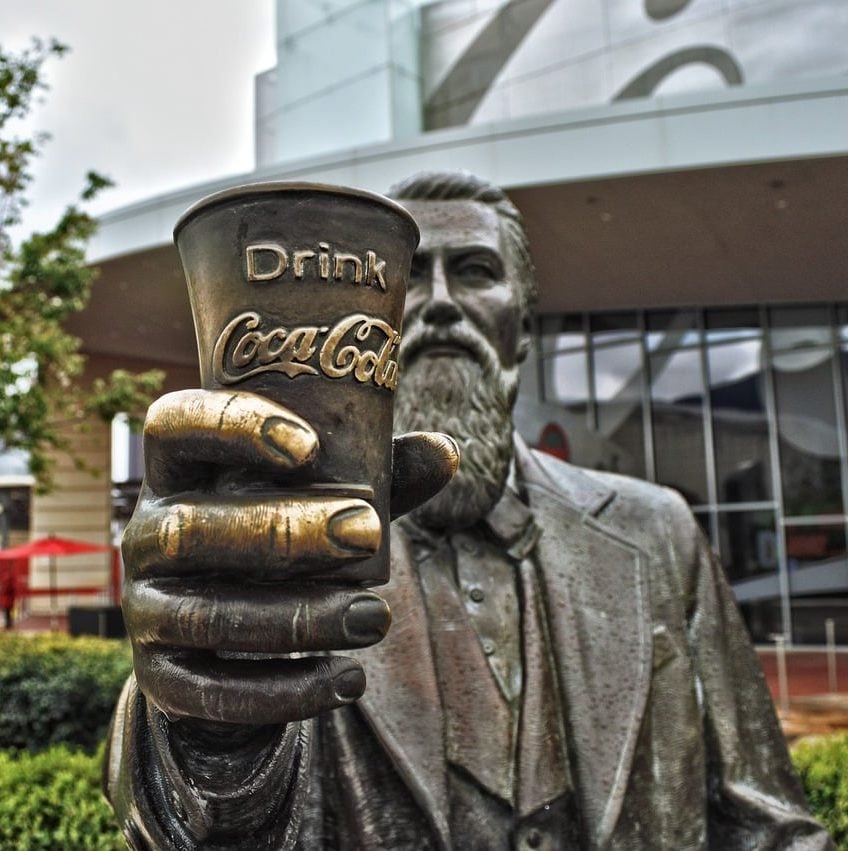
52 546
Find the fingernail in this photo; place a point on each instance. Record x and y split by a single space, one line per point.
349 685
355 529
292 439
367 620
452 450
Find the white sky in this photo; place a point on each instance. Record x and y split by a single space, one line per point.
156 94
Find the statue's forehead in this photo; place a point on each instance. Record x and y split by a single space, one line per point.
453 224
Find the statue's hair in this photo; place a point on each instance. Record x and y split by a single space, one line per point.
464 186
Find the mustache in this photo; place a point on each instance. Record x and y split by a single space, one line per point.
421 336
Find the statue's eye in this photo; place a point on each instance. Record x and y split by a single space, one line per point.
419 270
476 269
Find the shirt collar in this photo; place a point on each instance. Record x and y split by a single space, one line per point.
510 522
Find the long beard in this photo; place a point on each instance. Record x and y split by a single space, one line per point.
473 404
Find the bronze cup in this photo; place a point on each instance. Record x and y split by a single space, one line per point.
297 292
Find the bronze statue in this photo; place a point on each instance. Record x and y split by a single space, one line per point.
566 666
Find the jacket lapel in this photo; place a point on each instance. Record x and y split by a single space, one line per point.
402 703
597 606
596 597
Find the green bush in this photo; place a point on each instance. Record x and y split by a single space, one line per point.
54 688
52 800
822 764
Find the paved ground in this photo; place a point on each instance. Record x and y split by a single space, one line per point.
812 708
41 623
806 671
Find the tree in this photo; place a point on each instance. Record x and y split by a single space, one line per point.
44 280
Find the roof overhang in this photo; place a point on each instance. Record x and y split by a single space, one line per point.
728 198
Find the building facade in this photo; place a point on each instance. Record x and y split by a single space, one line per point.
682 166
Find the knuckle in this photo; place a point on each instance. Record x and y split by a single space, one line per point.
173 530
160 413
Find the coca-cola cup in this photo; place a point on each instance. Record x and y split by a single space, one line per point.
297 292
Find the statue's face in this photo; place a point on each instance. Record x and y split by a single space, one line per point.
464 276
462 340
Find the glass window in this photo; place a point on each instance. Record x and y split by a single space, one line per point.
618 392
809 615
813 322
806 424
677 404
740 424
842 321
613 328
732 323
561 332
15 503
747 543
705 522
567 378
671 329
808 545
764 619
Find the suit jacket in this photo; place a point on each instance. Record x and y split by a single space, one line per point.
673 739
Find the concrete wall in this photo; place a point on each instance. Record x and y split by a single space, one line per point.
78 507
489 60
347 74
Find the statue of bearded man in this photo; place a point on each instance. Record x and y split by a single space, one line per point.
566 669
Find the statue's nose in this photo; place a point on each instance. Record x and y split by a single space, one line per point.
441 312
441 309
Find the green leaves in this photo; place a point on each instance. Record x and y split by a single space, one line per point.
58 690
822 765
57 698
20 79
52 800
43 281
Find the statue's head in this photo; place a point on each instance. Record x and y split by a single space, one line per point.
466 329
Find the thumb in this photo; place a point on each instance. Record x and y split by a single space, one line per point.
423 462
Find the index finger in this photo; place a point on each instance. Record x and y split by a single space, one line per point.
189 428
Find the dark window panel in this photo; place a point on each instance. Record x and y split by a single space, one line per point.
672 329
744 321
559 332
748 544
810 545
613 327
796 317
808 624
807 433
739 421
704 521
842 321
618 391
677 403
764 620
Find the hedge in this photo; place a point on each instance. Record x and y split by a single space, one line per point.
57 691
52 800
822 764
54 688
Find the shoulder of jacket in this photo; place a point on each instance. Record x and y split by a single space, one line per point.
626 489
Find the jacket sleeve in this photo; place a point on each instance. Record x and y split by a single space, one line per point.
173 784
755 797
